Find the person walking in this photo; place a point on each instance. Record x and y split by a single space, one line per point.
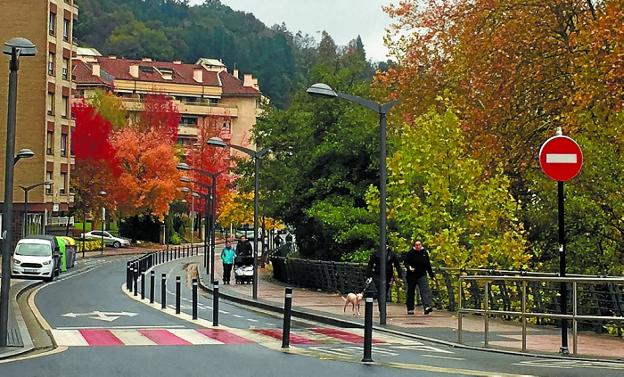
417 265
374 271
227 257
243 247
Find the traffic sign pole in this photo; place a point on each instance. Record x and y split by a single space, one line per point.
561 159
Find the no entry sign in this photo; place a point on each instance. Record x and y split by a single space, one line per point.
561 158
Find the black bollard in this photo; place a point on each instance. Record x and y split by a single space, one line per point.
135 277
287 314
368 329
152 286
215 303
194 298
163 291
128 277
178 284
142 285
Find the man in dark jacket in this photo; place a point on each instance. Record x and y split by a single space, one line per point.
417 265
374 271
243 247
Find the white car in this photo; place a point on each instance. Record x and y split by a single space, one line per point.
109 239
34 258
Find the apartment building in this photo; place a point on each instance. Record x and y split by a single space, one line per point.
205 93
44 121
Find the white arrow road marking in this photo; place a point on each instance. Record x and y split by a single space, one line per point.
561 158
102 316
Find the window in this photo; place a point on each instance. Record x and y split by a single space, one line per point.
227 126
49 178
52 24
50 103
213 101
188 121
64 145
51 60
66 29
50 143
65 69
63 189
65 108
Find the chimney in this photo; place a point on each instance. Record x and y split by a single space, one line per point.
255 84
177 62
134 71
146 59
198 75
95 69
235 73
248 80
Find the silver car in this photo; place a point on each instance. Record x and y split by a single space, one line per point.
109 239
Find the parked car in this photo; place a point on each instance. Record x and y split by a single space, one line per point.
36 257
109 239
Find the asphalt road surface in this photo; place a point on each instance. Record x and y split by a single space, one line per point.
101 330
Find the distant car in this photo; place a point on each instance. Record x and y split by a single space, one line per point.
109 239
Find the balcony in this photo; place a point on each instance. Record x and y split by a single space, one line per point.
194 108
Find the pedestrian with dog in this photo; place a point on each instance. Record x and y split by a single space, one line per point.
374 270
227 257
417 266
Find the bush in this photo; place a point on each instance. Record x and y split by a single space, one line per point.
90 245
175 239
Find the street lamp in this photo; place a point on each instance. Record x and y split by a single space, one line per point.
324 90
207 199
194 195
257 156
26 189
15 47
23 153
103 194
213 206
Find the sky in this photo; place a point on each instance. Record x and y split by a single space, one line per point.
342 19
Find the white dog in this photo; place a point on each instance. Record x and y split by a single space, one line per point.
354 299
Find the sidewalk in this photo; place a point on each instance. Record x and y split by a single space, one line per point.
19 340
439 325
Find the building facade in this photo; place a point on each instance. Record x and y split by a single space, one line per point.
44 121
205 93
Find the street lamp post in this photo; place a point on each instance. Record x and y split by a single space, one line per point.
26 189
15 47
207 199
257 156
324 90
213 206
103 194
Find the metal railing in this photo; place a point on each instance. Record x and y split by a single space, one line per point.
525 313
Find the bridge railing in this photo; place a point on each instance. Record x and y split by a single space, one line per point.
524 303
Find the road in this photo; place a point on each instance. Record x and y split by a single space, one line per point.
101 330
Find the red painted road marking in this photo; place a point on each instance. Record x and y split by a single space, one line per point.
343 335
100 338
294 338
164 338
224 336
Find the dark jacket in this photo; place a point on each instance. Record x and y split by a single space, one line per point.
419 260
244 249
391 260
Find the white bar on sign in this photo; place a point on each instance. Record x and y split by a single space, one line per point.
561 158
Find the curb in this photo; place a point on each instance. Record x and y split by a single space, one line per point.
21 324
332 321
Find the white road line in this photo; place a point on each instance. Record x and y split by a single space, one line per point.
194 337
71 338
133 338
444 357
223 312
252 320
121 327
238 316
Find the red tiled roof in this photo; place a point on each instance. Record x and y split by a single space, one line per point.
234 86
182 74
83 74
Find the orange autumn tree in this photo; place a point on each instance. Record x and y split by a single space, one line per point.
147 156
214 160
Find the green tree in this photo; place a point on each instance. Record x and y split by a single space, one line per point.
438 193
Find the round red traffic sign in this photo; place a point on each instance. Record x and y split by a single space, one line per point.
561 158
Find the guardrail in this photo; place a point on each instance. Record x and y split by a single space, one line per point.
349 277
527 307
138 266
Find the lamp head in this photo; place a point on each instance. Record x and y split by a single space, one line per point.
103 193
186 179
185 189
183 166
24 47
196 195
216 142
25 153
321 90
